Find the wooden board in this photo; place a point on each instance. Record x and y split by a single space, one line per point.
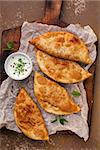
49 18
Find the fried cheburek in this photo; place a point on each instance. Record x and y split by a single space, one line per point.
29 118
52 97
63 71
63 45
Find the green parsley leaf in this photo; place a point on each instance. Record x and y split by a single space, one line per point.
76 93
10 45
20 60
54 120
62 120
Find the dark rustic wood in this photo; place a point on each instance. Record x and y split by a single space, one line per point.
52 11
11 35
89 86
51 16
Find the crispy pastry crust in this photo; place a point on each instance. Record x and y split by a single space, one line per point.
52 97
63 45
29 118
63 71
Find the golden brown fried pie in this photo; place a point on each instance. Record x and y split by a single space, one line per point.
52 97
63 45
64 71
29 118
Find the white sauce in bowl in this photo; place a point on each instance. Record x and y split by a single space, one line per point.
18 66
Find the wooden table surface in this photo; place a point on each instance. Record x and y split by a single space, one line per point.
51 16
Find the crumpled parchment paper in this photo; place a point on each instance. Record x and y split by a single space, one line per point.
77 123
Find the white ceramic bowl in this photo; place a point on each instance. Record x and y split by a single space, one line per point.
12 63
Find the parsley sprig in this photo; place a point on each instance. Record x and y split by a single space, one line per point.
9 45
60 119
76 93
